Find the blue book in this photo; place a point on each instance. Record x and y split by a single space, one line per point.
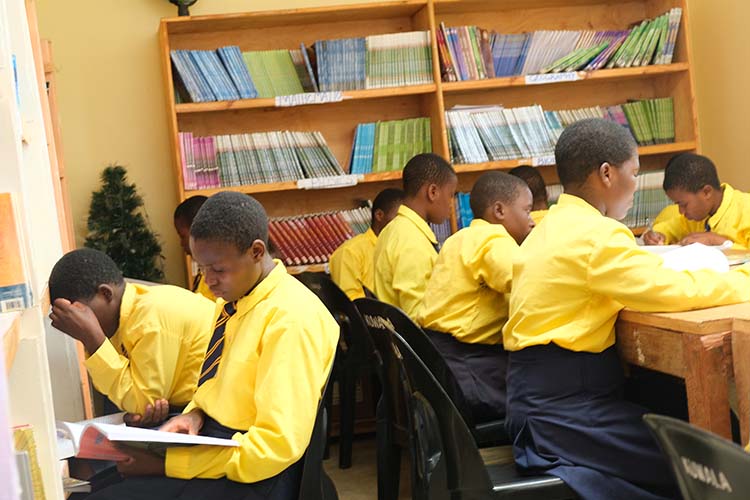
231 57
193 60
224 80
184 69
309 67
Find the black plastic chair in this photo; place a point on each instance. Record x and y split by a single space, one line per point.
354 356
491 433
315 483
707 467
369 294
445 461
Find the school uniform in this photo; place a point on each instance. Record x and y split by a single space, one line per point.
731 220
351 264
201 287
157 349
574 273
669 212
404 256
260 384
465 307
538 215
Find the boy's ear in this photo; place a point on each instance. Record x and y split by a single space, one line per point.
706 191
258 250
379 215
605 174
433 192
498 210
107 291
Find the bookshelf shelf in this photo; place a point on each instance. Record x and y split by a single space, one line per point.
590 76
337 121
310 268
203 107
10 327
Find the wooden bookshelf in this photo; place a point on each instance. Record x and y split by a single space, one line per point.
337 121
10 327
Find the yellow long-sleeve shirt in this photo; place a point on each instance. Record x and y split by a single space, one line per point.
669 212
278 350
352 264
404 257
731 220
577 270
467 294
157 350
538 215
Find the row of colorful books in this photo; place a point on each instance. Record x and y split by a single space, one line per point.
227 73
479 134
472 53
311 239
462 205
649 200
257 158
388 145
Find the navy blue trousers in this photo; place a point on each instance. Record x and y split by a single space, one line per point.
567 417
480 372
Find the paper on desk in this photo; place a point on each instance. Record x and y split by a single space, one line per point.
693 257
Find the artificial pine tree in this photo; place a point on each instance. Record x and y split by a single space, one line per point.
117 227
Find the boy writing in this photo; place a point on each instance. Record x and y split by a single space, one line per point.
574 273
710 213
261 379
145 343
352 263
407 248
465 304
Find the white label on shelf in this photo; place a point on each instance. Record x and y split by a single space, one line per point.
543 160
308 98
335 181
570 76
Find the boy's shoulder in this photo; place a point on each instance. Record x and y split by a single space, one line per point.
169 299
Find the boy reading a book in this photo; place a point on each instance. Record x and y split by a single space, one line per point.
538 190
145 344
183 218
465 304
573 275
407 248
268 359
352 262
710 212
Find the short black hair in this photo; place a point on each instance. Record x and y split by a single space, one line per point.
386 200
426 168
690 172
492 187
78 274
586 144
533 179
231 217
186 210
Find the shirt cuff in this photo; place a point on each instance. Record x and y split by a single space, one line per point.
103 360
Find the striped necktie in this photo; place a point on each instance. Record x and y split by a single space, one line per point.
436 246
213 354
196 282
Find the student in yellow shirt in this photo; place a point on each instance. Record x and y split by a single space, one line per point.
407 248
669 212
270 354
183 218
538 190
710 213
575 272
145 344
352 263
465 304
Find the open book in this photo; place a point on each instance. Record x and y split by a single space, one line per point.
692 257
97 438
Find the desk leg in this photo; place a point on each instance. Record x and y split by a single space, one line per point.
706 371
741 366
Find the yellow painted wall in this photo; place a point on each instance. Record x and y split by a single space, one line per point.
111 99
112 102
721 52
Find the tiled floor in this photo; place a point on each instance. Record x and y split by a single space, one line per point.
360 481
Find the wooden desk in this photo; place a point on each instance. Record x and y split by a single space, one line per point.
706 348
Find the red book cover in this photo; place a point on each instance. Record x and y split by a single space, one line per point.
290 231
291 243
311 239
276 241
333 234
344 225
323 234
302 238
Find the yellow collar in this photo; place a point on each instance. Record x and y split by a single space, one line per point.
126 305
571 200
371 236
261 290
725 202
418 221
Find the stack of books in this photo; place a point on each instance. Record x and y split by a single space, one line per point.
376 61
464 215
649 200
472 53
442 231
311 239
387 146
257 158
480 134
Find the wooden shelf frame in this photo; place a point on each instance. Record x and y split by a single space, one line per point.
337 121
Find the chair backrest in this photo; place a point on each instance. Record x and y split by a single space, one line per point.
445 460
707 467
369 294
423 347
315 483
358 345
